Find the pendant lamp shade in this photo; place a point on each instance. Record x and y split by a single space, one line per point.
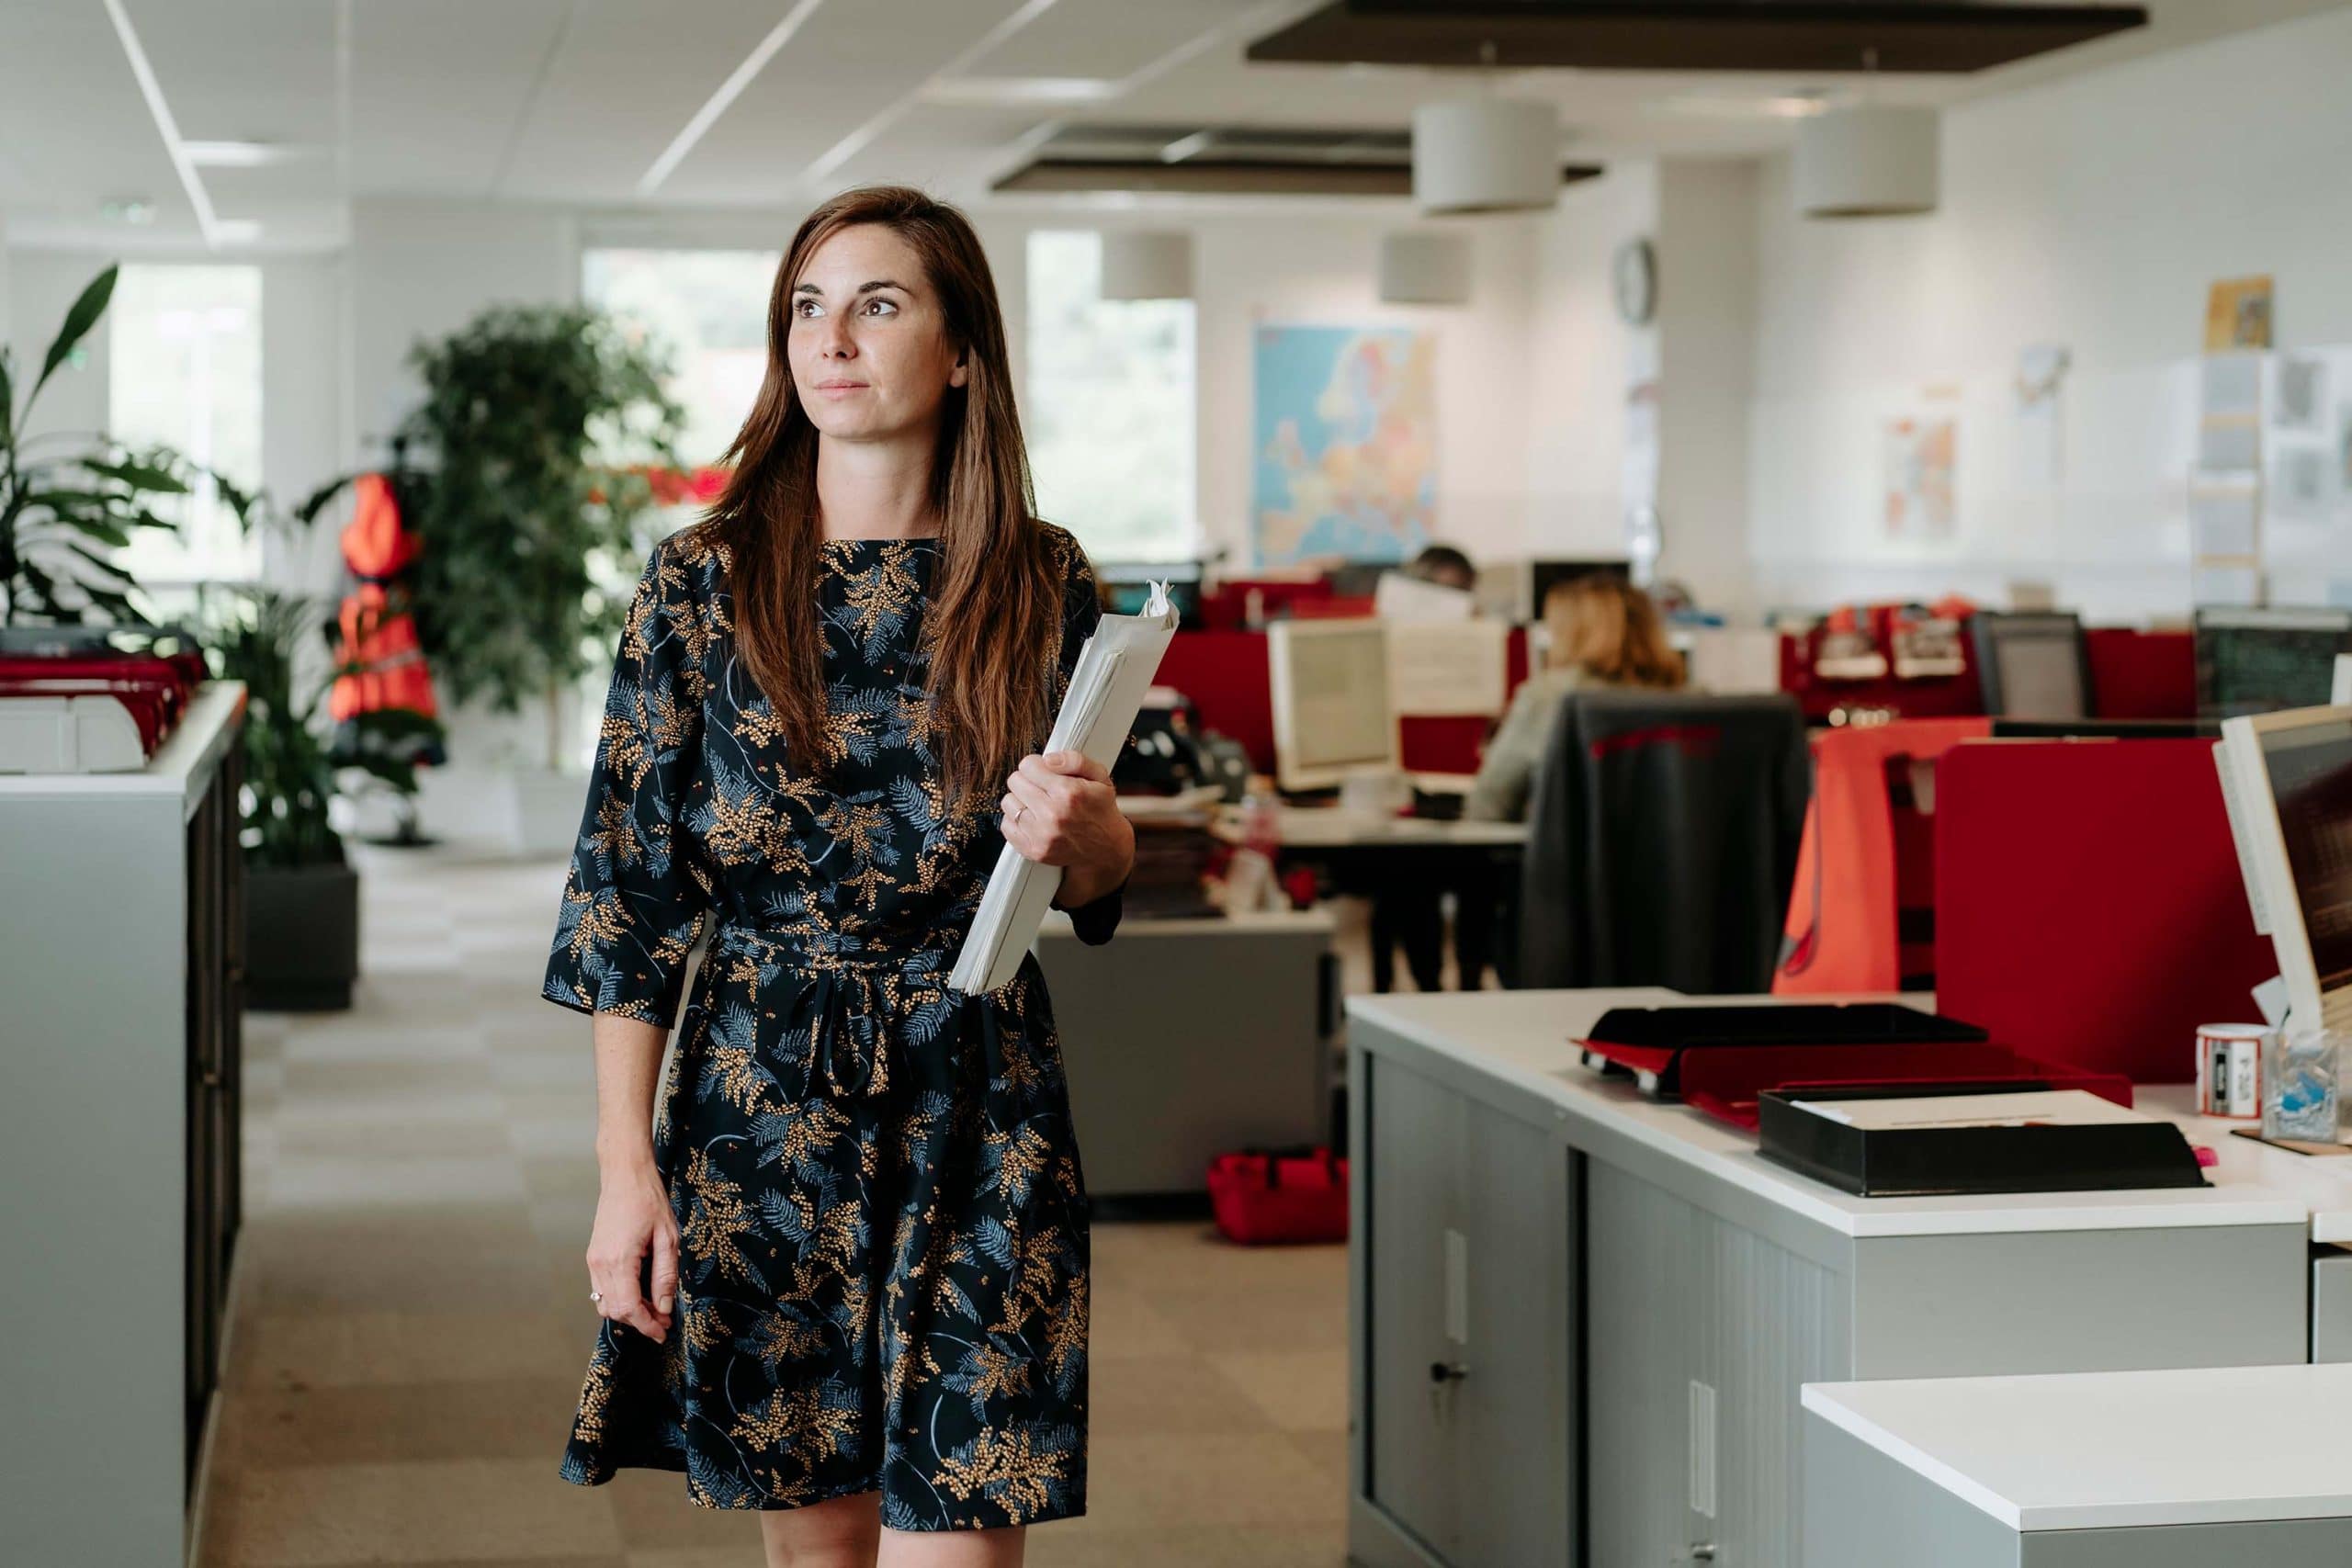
1485 155
1870 161
1145 264
1424 269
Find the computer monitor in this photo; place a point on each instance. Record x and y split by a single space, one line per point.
2287 779
2032 664
1331 706
2263 660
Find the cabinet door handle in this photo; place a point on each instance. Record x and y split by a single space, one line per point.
1442 1371
1704 1553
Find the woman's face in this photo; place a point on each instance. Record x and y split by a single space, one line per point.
868 347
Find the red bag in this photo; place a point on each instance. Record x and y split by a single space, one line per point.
1299 1193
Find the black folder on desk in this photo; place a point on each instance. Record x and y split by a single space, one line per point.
1910 1162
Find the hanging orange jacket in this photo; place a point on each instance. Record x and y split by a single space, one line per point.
380 645
1843 927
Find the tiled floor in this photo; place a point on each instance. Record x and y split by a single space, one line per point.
412 1319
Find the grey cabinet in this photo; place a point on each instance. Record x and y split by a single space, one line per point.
1468 1333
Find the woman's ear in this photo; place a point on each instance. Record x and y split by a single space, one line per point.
961 374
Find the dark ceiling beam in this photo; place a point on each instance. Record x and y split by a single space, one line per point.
1688 35
1227 176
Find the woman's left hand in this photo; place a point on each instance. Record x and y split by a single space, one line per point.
1061 809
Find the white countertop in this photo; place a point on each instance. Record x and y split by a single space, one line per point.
1524 1038
180 766
2106 1450
2323 1183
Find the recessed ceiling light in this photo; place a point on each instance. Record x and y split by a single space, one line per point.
1703 106
131 209
237 230
1018 90
1184 147
239 154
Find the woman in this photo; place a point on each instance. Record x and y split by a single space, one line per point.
845 1274
1604 632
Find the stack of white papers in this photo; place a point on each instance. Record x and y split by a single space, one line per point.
2048 1108
1106 690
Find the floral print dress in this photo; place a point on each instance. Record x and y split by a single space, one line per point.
883 1217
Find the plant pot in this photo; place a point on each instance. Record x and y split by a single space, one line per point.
301 937
546 808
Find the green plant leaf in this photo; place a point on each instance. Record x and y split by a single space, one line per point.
78 322
147 476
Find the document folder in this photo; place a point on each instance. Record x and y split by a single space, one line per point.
1106 690
1913 1161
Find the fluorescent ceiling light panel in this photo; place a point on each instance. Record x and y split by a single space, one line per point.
1184 147
728 90
150 89
238 231
1017 90
242 155
850 146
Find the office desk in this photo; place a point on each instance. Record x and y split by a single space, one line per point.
1362 854
1184 1038
1325 830
1537 1253
2176 1469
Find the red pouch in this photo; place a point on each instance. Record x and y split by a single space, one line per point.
1299 1193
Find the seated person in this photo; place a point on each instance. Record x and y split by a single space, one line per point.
1604 632
1443 565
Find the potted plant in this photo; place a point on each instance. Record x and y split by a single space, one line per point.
69 498
301 892
537 427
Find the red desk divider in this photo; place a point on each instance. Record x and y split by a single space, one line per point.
2088 904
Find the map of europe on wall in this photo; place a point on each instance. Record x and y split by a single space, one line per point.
1346 429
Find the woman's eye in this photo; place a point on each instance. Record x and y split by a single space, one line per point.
882 303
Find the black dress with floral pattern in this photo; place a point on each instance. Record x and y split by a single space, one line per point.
883 1218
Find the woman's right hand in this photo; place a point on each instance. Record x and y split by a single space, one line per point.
633 1217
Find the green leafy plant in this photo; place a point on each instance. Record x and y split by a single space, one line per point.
68 499
533 417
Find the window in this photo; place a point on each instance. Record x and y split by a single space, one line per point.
709 311
1109 407
185 348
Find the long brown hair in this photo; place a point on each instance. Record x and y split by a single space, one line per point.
1609 628
992 625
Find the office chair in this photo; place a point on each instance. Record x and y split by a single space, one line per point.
1663 833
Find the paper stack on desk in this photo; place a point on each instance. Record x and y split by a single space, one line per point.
1106 690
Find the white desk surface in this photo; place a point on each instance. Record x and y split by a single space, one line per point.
1330 827
1524 1038
2323 1183
2104 1451
179 767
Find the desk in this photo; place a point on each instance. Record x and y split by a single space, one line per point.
1537 1253
2177 1469
1364 853
1184 1038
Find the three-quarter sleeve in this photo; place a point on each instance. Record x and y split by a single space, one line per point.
633 902
1081 611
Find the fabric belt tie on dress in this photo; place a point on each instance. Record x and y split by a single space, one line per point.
852 1014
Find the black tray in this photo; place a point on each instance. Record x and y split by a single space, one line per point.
1923 1162
1796 1023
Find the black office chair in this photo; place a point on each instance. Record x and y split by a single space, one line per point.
1663 830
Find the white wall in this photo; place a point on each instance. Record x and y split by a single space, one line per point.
1706 330
2091 212
1580 358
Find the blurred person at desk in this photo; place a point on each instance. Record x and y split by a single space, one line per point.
1602 631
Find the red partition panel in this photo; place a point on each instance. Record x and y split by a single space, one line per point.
2139 674
2088 905
1224 673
